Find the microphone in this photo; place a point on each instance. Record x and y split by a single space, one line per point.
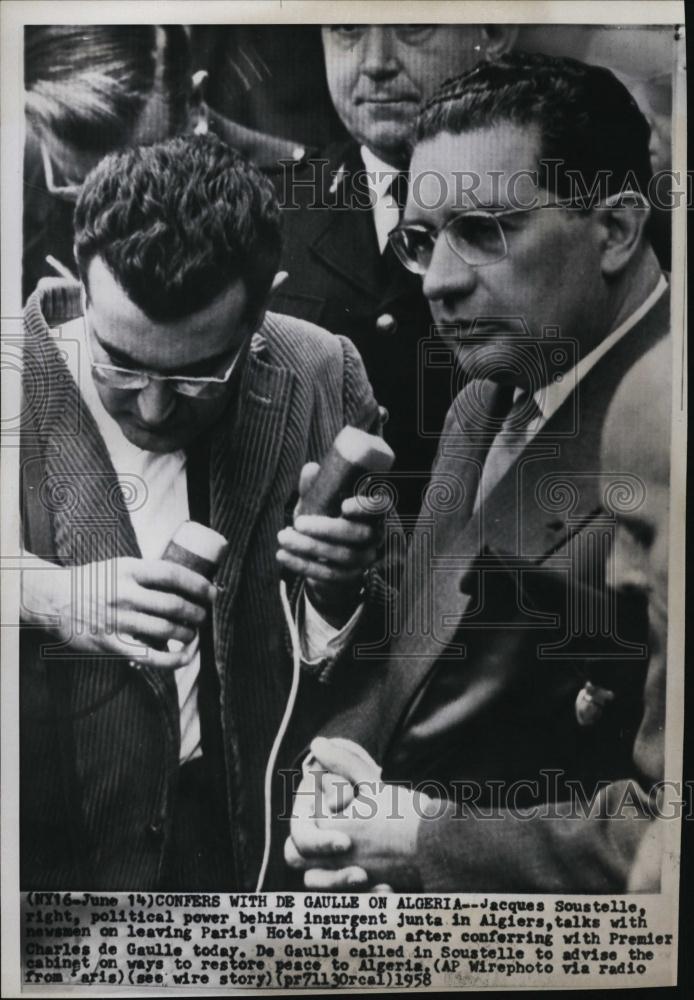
199 548
353 454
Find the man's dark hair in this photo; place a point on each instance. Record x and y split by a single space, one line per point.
588 120
176 223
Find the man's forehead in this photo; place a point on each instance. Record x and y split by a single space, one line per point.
123 325
496 166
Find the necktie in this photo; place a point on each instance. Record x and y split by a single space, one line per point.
398 190
394 271
509 443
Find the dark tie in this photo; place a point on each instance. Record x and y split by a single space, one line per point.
509 443
396 275
398 190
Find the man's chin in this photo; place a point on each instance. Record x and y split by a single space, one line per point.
495 362
387 134
151 439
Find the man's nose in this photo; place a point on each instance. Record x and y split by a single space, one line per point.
155 402
448 275
378 52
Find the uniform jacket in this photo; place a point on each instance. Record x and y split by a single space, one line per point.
339 279
504 616
100 741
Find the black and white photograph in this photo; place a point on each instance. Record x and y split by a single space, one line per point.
343 444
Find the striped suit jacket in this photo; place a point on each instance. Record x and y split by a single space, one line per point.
99 741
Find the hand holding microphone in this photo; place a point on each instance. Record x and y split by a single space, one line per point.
107 609
198 550
336 535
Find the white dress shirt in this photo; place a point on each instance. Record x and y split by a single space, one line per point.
385 209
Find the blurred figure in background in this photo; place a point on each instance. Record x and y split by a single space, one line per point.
254 80
641 56
93 89
341 205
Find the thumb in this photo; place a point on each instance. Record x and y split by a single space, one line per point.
348 761
307 477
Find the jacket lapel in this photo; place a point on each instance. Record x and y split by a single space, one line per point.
557 482
243 462
89 513
446 538
345 238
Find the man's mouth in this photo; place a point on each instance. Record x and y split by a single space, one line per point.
479 329
386 99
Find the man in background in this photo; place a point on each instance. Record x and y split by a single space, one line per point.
341 205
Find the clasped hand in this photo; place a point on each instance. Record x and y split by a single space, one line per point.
349 829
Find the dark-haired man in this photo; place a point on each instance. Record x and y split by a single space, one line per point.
341 205
516 669
161 391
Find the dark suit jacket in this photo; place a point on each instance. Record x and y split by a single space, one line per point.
505 615
339 279
99 741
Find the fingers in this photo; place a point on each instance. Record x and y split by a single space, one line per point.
345 758
313 549
159 659
353 877
154 630
171 607
338 792
335 530
308 477
323 561
302 860
367 507
308 805
160 574
318 572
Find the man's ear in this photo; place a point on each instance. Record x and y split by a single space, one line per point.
198 114
623 219
278 280
497 39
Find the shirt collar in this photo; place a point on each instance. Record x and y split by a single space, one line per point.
549 398
379 174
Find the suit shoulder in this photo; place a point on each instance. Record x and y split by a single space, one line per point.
291 341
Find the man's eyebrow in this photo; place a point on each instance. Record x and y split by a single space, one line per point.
122 357
492 207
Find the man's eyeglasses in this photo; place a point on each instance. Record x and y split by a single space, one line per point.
129 380
476 236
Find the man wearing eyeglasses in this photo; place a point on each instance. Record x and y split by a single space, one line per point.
340 205
163 392
517 674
